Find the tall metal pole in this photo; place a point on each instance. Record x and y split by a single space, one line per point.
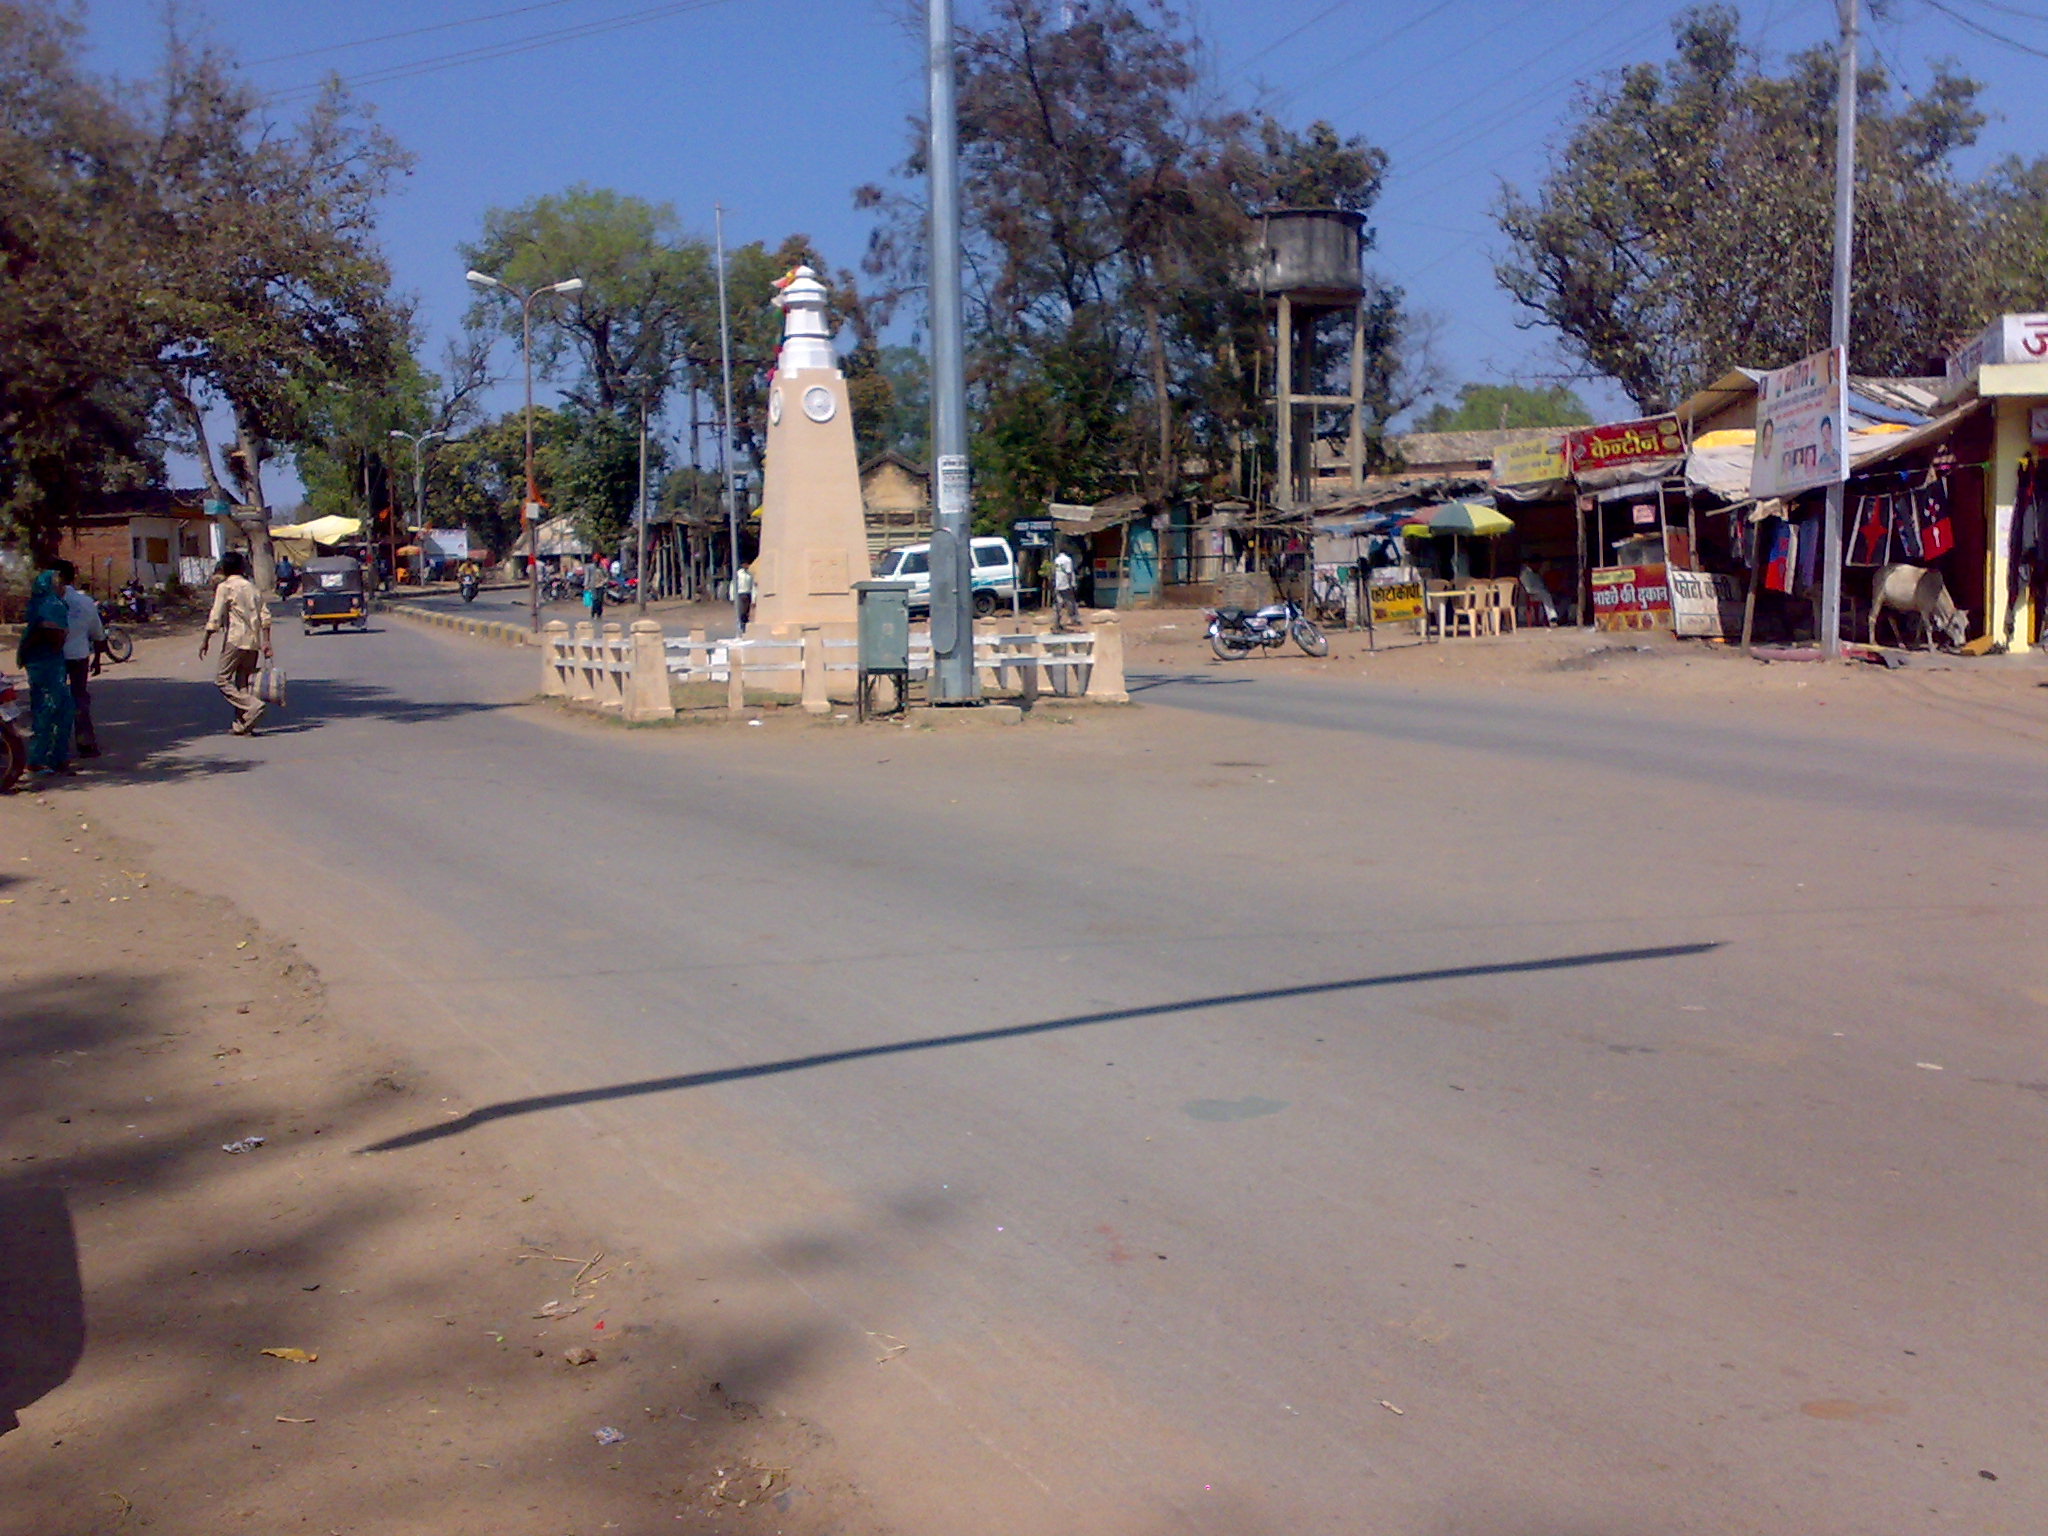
732 506
532 508
1838 337
640 542
952 592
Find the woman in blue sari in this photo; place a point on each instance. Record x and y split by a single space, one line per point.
41 654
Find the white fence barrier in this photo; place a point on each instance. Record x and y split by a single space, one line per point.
629 673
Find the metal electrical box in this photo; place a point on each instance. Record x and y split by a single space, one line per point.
884 608
884 625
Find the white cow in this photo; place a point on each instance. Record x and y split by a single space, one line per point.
1916 590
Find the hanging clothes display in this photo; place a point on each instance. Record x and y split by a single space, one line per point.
1778 556
1870 531
1809 552
1906 529
1937 531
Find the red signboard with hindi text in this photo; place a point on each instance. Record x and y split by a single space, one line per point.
1623 442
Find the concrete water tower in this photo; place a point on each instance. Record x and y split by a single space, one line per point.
1310 269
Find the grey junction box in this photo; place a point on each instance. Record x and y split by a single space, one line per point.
884 640
884 625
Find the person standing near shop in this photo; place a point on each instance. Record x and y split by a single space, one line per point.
83 638
40 653
239 610
743 594
1066 611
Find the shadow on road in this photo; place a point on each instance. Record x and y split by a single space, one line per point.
1139 682
508 1108
149 725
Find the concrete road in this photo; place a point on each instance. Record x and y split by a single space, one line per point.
1290 1107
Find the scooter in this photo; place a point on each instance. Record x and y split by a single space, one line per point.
469 585
13 746
1235 633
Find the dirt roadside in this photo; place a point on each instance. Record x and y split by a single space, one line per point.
144 1270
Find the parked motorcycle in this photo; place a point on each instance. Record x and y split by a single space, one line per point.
621 590
469 585
559 589
1234 633
119 645
13 744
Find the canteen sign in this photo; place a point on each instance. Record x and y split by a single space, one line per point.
1802 426
1630 597
1623 442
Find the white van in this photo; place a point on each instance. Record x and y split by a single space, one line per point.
992 561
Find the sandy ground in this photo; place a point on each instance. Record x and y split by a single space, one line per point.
2006 695
147 1027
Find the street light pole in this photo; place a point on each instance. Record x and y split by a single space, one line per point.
1838 329
732 506
419 499
952 594
531 509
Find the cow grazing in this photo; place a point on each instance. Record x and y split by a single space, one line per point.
1916 590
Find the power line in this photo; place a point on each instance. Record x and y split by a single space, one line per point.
487 52
1981 30
1379 42
1287 37
393 37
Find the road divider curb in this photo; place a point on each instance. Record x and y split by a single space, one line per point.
484 629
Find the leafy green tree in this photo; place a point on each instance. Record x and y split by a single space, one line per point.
1497 407
1108 211
1685 224
648 301
74 413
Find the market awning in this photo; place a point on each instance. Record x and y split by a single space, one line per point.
332 529
1078 521
558 536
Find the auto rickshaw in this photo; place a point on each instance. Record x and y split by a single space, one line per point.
333 593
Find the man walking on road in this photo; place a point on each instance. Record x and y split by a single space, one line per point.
743 592
1066 613
82 641
239 609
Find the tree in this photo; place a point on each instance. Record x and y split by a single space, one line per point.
1107 218
268 280
1497 407
648 302
74 410
1685 224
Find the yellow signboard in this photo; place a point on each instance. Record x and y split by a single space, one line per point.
1532 462
1394 602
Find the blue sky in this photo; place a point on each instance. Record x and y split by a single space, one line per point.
779 110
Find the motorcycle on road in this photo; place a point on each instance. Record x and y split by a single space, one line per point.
1234 633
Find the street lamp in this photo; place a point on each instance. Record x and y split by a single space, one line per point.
567 285
419 441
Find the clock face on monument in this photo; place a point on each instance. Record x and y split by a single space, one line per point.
774 407
818 404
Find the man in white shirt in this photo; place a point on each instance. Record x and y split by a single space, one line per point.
239 609
1066 609
743 592
82 641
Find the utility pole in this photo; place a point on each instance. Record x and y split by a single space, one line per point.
531 515
1838 337
640 537
419 441
732 506
953 677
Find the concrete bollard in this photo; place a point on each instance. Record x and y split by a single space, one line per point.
815 700
1106 673
647 684
735 683
579 674
612 655
552 662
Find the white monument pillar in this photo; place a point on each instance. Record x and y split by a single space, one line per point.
814 539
